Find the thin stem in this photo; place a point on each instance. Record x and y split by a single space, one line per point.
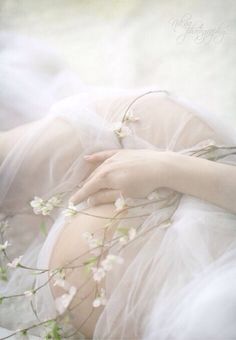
171 200
27 329
34 290
140 96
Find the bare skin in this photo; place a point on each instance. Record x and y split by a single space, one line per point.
204 179
210 181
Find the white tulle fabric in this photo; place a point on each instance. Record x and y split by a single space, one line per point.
176 282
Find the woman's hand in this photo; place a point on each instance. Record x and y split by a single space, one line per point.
130 172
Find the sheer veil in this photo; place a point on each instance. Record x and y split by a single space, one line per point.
178 279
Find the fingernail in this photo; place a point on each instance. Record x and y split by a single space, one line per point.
87 156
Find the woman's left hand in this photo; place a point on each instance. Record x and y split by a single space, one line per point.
130 172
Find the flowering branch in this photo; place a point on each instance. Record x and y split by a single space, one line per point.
101 262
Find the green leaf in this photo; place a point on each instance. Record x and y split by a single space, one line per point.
49 323
24 332
123 231
91 260
89 263
56 332
3 274
43 228
87 268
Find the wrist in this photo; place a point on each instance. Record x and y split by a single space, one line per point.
168 161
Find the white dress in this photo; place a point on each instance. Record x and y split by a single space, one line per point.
178 280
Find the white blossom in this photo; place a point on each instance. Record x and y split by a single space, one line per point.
71 210
131 234
59 279
98 273
37 202
5 245
153 196
87 235
117 126
160 194
45 207
63 301
131 117
114 258
121 130
55 201
110 259
120 203
15 262
29 293
123 240
96 302
62 283
37 211
100 299
107 265
93 243
124 132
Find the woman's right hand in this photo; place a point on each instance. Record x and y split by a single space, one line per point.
131 172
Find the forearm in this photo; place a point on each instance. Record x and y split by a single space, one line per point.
207 180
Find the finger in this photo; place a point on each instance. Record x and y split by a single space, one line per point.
103 196
96 172
100 156
95 184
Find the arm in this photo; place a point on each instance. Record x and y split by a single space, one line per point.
135 173
207 180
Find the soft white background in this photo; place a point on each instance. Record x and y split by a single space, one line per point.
132 43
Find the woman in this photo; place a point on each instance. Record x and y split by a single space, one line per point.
146 248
